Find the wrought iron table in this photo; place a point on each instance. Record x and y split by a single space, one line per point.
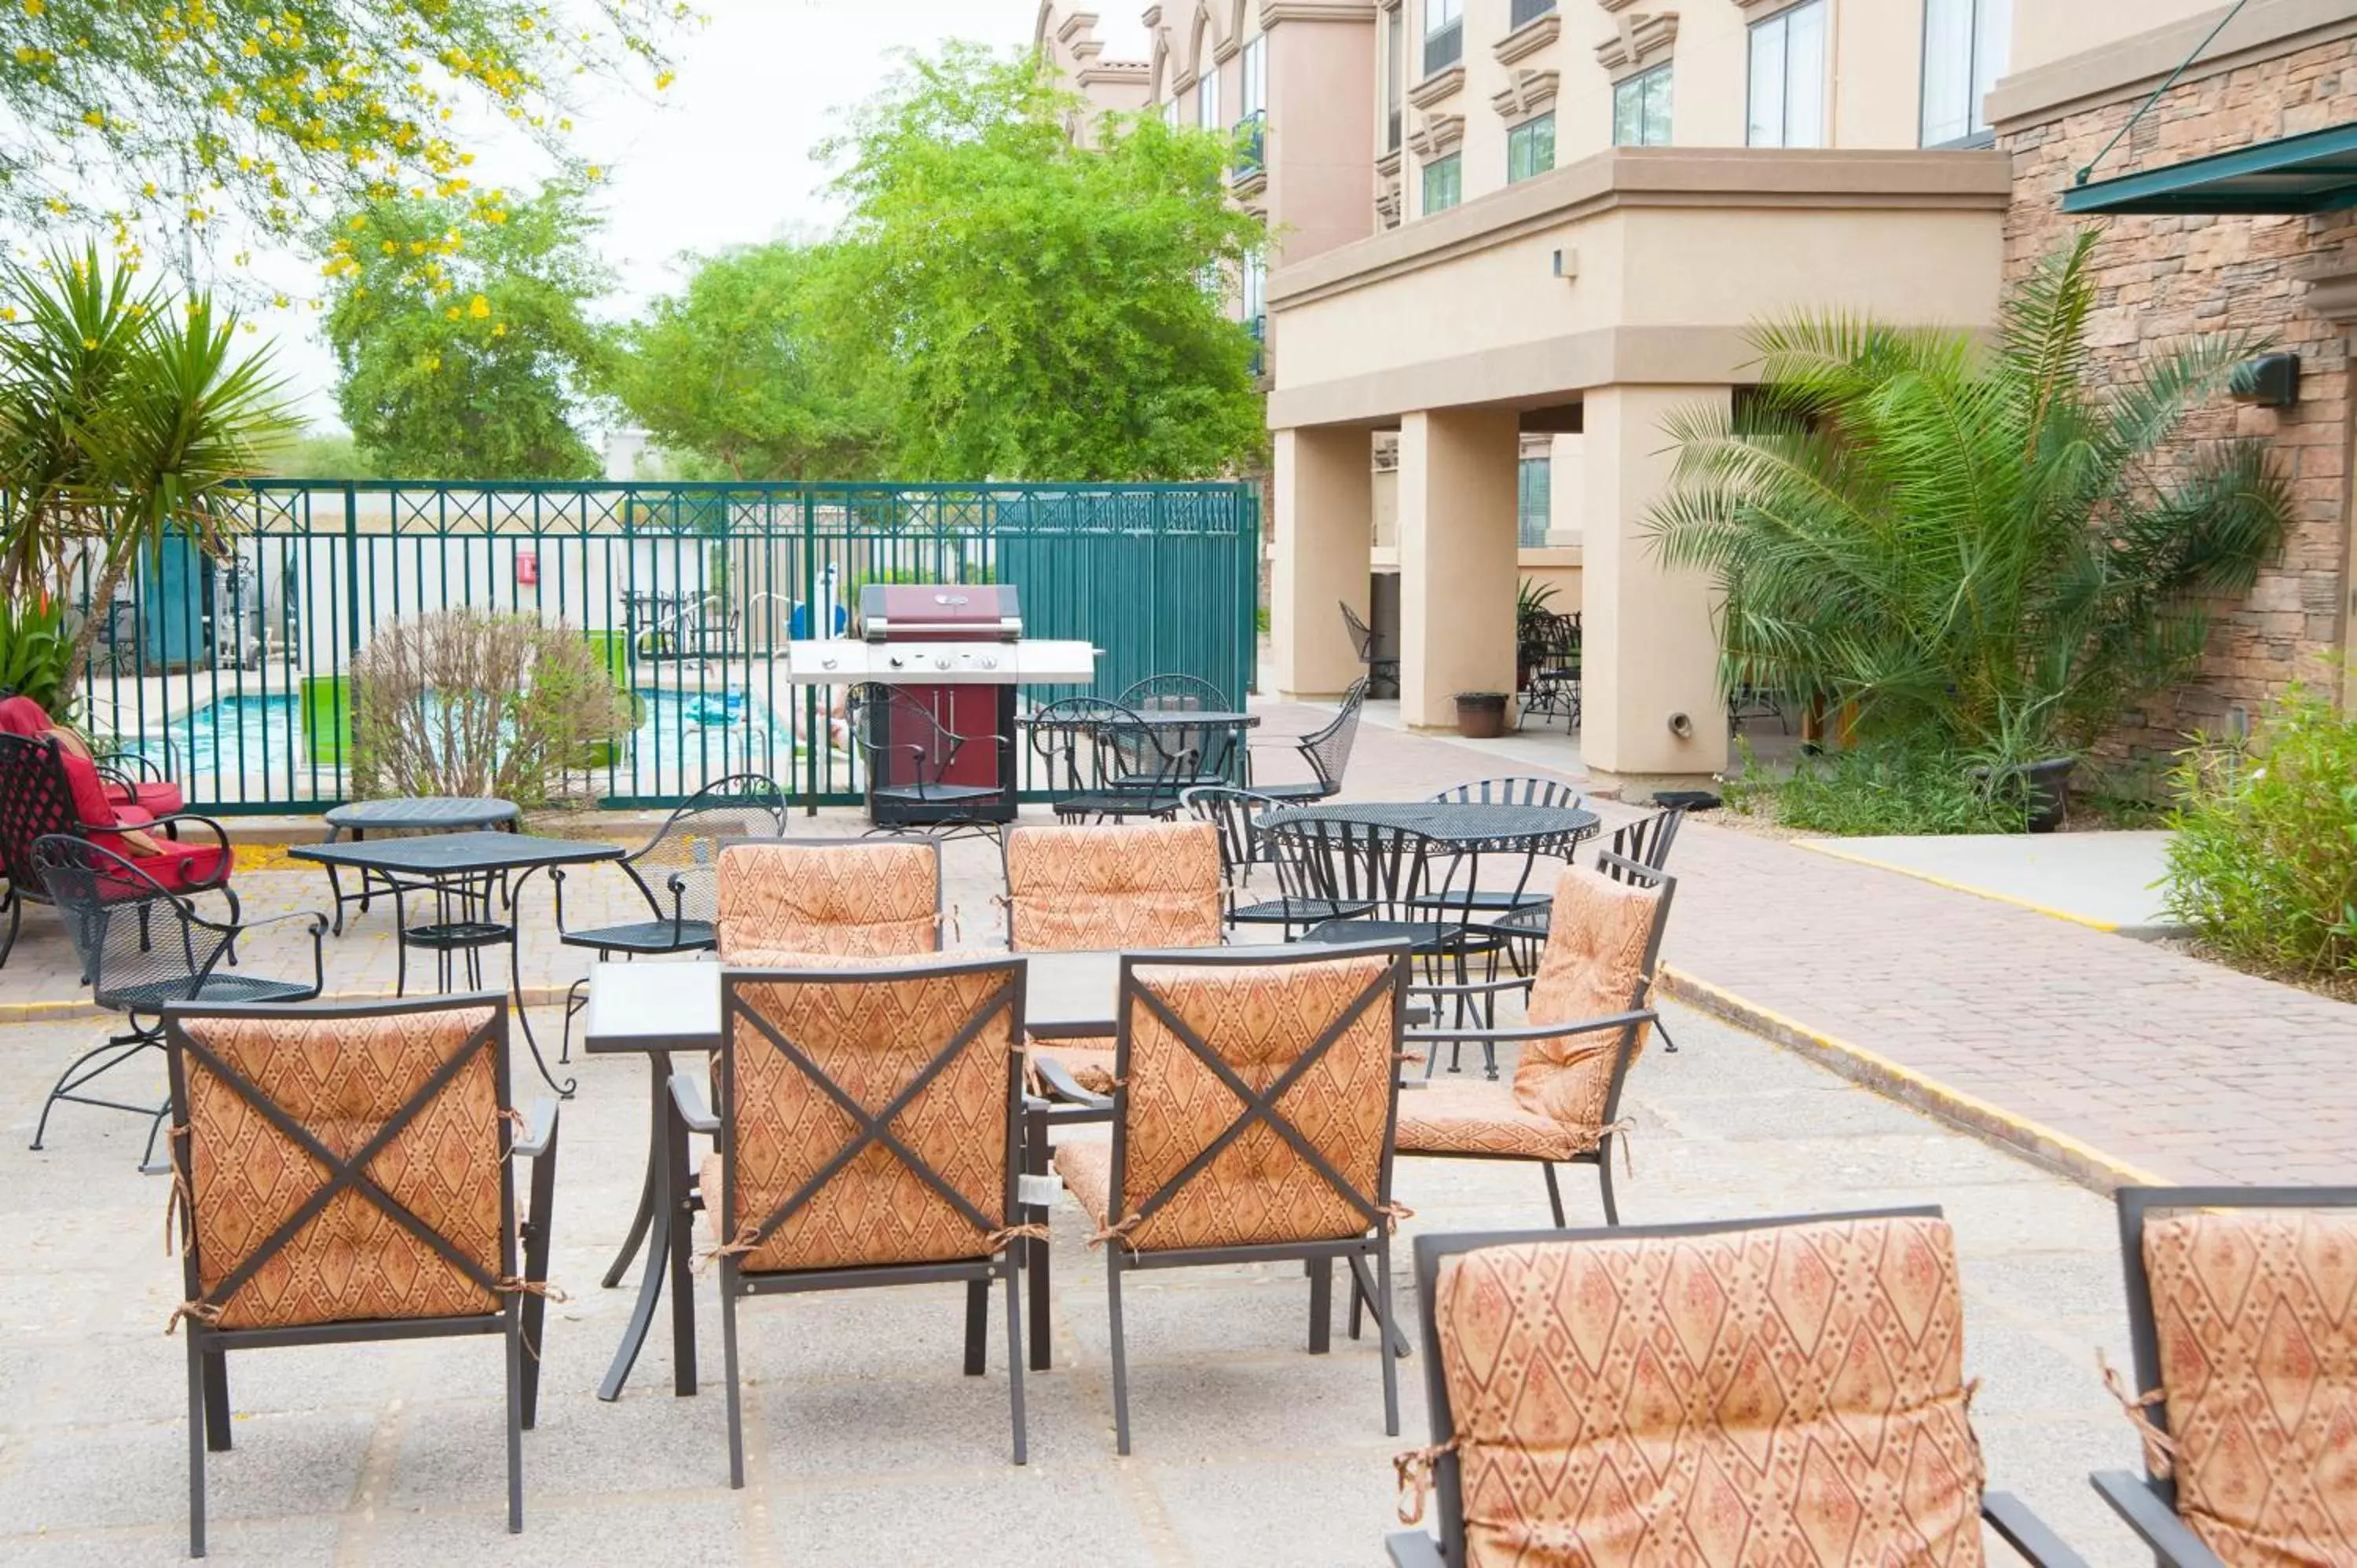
459 868
1462 825
657 1010
425 813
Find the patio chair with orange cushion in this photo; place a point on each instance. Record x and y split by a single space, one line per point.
341 1173
1102 888
2239 1320
794 898
1252 1122
866 1135
1587 1022
1760 1391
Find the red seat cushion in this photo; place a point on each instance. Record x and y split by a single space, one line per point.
89 798
156 799
178 867
22 715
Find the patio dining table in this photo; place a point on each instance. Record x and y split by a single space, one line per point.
658 1010
1466 826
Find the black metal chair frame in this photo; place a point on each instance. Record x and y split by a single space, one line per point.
1636 1015
1219 748
1236 814
873 1130
941 802
1646 842
2149 1502
1511 791
1552 645
33 785
2008 1515
1260 1106
1112 784
518 1320
1366 645
200 957
672 932
1326 750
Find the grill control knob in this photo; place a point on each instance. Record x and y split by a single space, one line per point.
987 662
896 661
827 663
942 663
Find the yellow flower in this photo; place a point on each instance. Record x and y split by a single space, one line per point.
95 117
664 79
500 329
479 307
90 342
35 8
451 314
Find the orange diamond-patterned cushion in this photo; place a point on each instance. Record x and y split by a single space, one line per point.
1788 1395
1592 966
2257 1317
851 898
1152 885
342 1079
1442 1116
1259 1019
872 1038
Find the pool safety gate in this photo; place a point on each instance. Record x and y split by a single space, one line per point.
233 672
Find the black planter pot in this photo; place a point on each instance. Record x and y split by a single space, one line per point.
2043 790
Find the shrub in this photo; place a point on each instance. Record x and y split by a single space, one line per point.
463 703
1878 788
35 647
2264 864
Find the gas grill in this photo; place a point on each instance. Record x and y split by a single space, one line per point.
958 651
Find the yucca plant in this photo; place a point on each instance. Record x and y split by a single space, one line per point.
1969 546
123 410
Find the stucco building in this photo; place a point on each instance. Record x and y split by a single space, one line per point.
1519 231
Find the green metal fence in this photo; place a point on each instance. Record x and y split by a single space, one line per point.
232 672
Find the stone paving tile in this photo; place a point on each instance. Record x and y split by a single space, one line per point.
866 1441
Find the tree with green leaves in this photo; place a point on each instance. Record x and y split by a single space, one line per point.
466 355
1970 547
1035 309
123 409
746 370
178 113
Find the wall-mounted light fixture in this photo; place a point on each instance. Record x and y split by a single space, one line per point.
2271 381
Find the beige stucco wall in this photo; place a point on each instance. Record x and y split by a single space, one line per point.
2045 31
1321 76
1457 559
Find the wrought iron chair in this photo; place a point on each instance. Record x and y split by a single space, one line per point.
2242 1346
1380 667
1243 846
1515 790
684 853
791 900
1383 872
131 777
1105 763
1645 842
1551 646
1252 1122
143 948
908 753
866 1135
1326 750
1584 1028
45 789
343 1173
1218 748
1648 1378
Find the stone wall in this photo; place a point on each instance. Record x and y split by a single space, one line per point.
2165 279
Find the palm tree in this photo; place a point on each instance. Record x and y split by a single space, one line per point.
123 411
1969 546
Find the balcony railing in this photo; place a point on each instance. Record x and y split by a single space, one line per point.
1392 132
1251 133
1444 49
1525 12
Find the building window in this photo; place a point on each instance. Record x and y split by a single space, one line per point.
1534 502
1206 101
1528 11
1965 46
1444 34
1255 288
1530 148
1641 109
1787 78
1444 183
1255 78
1394 68
1170 113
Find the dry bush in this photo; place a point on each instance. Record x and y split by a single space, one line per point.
462 702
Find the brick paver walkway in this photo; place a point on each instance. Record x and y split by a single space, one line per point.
2166 1064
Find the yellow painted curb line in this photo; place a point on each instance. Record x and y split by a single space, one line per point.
82 1007
2057 1150
1856 859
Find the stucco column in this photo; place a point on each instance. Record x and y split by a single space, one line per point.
1325 498
1457 551
1649 652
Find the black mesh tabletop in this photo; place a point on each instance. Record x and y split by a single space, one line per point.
456 855
426 811
1452 821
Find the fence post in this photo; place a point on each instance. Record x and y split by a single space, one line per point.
815 698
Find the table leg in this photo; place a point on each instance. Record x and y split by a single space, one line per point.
678 1244
1035 1253
638 1229
656 1215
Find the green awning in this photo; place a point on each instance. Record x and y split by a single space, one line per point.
2313 172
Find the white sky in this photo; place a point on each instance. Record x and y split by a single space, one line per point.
721 159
